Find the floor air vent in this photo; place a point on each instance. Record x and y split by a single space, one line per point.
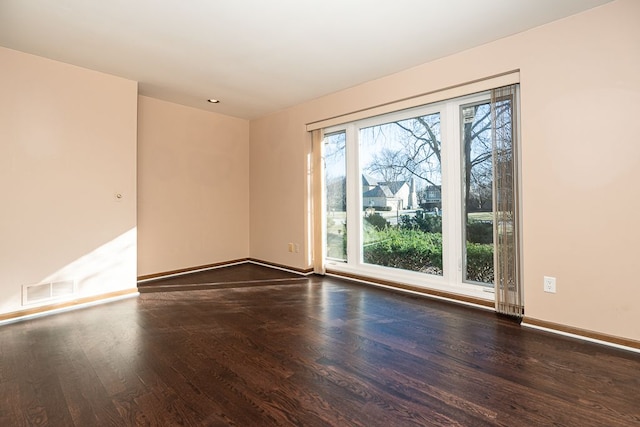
43 292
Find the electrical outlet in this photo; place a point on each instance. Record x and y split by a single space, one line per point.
290 247
550 284
297 248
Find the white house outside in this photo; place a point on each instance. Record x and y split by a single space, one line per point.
396 195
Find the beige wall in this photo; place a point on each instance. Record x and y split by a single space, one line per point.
193 186
68 146
580 167
279 180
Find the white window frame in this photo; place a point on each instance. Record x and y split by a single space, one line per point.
452 198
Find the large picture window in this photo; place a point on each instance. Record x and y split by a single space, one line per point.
400 162
410 195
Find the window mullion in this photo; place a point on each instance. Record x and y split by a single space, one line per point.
354 185
450 203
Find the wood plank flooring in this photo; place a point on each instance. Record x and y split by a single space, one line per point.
310 352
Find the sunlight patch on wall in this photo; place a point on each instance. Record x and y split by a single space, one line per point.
108 268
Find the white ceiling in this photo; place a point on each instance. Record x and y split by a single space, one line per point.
260 56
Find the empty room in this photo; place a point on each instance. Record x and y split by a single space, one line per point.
319 213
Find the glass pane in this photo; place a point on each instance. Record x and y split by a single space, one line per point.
336 195
478 193
401 194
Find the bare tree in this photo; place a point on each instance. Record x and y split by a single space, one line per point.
335 171
478 154
385 164
420 152
420 155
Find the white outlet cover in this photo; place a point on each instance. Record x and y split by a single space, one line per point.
550 284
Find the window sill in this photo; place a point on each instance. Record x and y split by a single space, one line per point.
434 286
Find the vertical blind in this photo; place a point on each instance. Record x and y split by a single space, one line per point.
504 118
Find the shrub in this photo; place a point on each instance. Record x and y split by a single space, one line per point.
426 223
409 249
414 250
378 222
480 262
480 232
378 208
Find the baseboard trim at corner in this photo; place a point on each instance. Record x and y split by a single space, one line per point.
583 334
75 304
304 272
188 270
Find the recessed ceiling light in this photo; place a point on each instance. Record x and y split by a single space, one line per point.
213 101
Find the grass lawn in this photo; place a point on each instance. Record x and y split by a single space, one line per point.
481 216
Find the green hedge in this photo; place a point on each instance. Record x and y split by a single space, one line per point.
480 232
480 262
415 250
407 249
424 223
377 221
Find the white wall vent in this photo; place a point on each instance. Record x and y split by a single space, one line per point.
43 292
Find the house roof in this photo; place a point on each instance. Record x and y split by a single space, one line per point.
367 180
394 186
379 191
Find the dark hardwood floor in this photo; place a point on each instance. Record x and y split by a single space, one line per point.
234 276
306 352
